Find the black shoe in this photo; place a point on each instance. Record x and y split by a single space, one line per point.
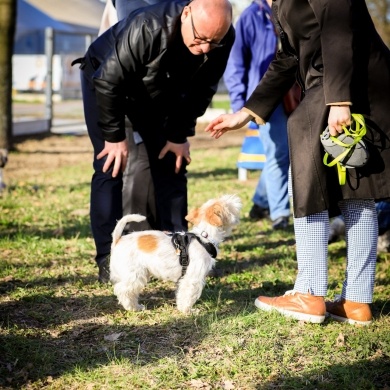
280 223
215 273
258 212
336 230
104 271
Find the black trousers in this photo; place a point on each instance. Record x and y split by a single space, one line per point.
106 206
138 189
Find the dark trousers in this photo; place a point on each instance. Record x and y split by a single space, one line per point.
170 188
106 192
138 190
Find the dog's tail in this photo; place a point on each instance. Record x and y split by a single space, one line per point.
120 226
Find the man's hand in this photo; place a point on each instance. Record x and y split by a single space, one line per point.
181 151
116 153
338 116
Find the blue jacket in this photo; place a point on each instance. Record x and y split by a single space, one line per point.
253 50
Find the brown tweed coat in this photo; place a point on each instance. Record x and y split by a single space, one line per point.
334 52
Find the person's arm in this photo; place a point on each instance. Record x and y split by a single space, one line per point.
109 17
121 73
334 18
237 68
278 79
228 122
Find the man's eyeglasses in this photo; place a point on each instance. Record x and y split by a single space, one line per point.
200 41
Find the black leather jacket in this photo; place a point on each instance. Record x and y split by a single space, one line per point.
141 68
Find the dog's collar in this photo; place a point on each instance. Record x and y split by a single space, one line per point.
204 235
181 241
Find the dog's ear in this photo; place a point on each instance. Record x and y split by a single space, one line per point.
214 215
192 216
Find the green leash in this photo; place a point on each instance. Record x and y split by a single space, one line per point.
356 134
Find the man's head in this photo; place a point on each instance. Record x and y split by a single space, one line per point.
204 24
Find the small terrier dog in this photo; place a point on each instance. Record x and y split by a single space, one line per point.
185 258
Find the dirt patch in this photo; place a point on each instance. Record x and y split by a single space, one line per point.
35 154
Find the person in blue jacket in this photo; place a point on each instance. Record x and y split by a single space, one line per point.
254 48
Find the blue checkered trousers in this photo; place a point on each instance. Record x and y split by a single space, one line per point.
361 232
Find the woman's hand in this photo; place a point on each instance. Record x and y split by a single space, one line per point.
116 153
227 122
339 116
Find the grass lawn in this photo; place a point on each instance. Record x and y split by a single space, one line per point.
60 329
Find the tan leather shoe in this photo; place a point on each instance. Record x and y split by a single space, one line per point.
303 307
347 311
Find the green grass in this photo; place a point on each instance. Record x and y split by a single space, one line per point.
225 104
60 329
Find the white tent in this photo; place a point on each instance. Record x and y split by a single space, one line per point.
32 20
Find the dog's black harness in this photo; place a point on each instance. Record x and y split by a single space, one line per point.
181 242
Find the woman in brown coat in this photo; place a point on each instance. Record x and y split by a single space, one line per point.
334 52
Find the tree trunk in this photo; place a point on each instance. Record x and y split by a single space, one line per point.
7 32
380 12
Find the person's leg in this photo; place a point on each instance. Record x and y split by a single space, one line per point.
260 195
306 301
106 191
361 228
138 191
260 208
275 173
311 234
383 211
260 198
170 188
361 232
337 229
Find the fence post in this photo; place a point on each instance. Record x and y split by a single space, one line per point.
49 50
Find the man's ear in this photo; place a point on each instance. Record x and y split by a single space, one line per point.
185 13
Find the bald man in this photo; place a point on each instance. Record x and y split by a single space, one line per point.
160 67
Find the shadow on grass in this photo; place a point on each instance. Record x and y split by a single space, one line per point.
45 189
44 335
38 340
86 346
65 328
215 174
367 374
75 228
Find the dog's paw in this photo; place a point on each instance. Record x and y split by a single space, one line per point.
134 308
188 310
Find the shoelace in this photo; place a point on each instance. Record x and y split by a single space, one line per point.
357 134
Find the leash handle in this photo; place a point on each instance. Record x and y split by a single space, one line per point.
357 134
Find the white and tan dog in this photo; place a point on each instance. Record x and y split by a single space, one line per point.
137 256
